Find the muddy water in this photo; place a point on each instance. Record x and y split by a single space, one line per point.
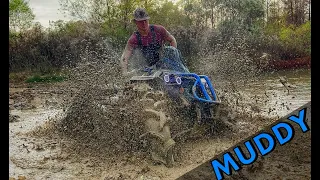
43 159
276 93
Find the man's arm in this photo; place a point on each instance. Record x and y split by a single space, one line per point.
167 36
124 58
171 39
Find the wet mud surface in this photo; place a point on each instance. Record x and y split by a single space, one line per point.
41 145
291 160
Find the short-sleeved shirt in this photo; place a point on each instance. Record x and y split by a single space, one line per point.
161 34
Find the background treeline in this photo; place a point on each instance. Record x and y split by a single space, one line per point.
280 28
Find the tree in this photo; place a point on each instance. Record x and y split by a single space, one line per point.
210 6
167 14
20 15
108 12
296 11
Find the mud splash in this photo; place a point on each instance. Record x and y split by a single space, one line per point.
85 129
39 150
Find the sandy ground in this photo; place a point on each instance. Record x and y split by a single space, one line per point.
34 156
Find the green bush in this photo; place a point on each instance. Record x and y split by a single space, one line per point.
297 40
45 79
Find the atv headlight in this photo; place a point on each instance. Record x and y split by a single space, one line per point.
166 78
178 80
171 78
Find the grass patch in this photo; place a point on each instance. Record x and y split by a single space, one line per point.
45 78
37 76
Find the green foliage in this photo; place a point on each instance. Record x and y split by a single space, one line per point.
252 8
196 25
304 37
230 27
20 15
297 39
118 34
168 15
288 41
51 75
273 28
78 9
287 35
69 28
13 36
46 75
45 79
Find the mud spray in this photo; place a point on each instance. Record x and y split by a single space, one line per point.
104 120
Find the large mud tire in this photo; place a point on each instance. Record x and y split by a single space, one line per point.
157 124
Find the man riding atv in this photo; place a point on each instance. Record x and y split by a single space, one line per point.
164 72
147 46
149 39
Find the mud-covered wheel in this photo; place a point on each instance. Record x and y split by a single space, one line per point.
157 128
210 119
198 118
161 143
220 118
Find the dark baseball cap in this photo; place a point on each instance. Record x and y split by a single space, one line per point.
140 14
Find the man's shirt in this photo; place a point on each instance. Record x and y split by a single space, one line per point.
160 32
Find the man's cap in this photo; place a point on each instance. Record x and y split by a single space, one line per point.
140 14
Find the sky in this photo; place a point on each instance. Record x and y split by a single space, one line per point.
46 10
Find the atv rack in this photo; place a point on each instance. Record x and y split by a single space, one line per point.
207 98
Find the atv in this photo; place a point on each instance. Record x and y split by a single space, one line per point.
192 93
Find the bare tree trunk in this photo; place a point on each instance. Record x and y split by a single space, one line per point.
291 10
302 10
277 7
212 21
267 11
309 10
